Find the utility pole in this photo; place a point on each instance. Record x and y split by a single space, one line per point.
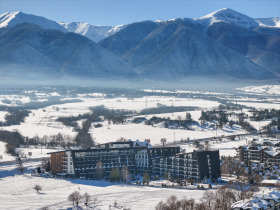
216 129
146 103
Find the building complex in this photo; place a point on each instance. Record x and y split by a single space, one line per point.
137 158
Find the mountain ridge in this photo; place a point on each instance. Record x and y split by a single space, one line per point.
222 43
28 45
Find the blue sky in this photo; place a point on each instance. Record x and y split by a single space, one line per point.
115 12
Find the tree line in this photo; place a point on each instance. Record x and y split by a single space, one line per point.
221 199
14 116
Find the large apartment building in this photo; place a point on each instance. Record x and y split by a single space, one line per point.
137 158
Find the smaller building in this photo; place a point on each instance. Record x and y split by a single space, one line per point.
269 200
262 154
195 165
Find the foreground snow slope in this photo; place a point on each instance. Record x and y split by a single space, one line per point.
17 192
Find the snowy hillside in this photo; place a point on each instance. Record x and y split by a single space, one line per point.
40 50
10 19
265 89
17 192
95 33
229 16
233 45
167 49
115 29
273 22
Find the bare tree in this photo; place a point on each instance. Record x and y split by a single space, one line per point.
20 166
209 197
125 174
196 143
37 188
207 146
87 198
75 197
227 166
99 170
94 200
122 139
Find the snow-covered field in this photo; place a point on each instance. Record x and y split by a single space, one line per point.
138 104
16 192
2 115
36 152
43 121
226 147
264 89
174 116
261 105
142 132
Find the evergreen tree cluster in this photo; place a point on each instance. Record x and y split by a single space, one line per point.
215 115
265 114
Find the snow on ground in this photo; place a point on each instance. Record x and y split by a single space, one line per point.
17 192
261 105
2 115
32 129
227 148
259 124
43 121
183 91
13 99
5 157
142 132
264 89
174 116
36 152
138 104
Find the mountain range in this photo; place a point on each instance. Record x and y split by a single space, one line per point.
223 43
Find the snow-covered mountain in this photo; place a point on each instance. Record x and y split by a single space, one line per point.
223 43
177 49
272 22
153 46
10 19
95 33
28 48
229 16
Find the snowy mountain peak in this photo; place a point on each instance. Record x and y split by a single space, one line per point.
229 16
115 29
10 19
7 17
95 33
